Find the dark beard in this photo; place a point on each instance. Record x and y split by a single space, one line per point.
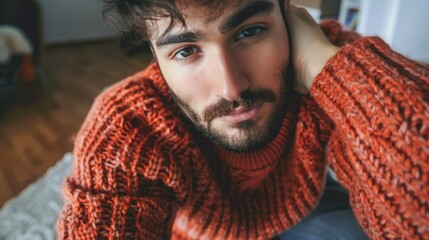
255 138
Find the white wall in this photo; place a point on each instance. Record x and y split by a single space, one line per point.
411 34
375 18
73 20
404 24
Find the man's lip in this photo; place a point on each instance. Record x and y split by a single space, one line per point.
241 114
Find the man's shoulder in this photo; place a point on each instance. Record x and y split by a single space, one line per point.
145 91
135 119
141 101
143 85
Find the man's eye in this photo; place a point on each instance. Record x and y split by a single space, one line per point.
249 32
185 52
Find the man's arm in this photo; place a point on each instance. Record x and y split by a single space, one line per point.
378 102
130 174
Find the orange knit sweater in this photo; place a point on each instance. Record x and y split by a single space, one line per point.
140 173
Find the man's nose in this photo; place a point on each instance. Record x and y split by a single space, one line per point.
231 80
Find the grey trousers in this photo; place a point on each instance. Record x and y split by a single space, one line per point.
332 219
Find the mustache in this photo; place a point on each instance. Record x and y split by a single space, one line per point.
246 99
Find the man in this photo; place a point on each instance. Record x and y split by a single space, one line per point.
246 156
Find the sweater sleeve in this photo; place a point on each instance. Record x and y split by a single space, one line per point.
378 102
129 175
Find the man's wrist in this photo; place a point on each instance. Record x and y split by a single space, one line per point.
320 62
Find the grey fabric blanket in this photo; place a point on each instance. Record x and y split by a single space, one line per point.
34 212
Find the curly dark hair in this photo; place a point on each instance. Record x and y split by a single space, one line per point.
131 17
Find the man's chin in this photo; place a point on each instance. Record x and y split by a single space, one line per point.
242 145
242 137
246 136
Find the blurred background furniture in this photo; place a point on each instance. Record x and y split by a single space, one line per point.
16 60
26 17
8 75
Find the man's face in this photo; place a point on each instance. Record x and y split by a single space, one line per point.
228 75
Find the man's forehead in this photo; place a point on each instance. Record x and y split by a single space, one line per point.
209 10
197 15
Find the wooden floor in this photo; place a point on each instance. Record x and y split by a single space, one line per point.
38 129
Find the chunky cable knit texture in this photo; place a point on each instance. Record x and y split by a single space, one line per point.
139 173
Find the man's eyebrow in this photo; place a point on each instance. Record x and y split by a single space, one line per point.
177 38
241 15
244 13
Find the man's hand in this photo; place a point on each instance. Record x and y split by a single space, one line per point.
309 47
